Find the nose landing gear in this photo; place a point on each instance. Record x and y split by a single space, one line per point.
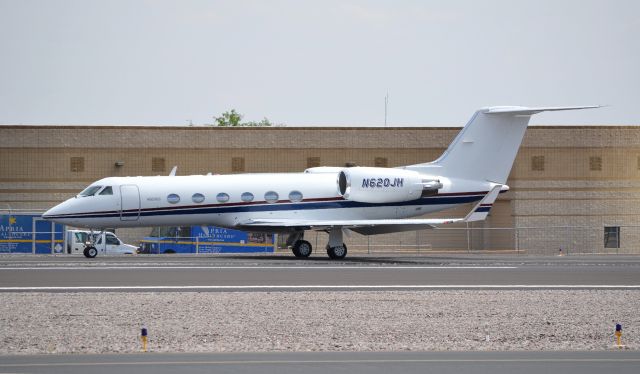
90 250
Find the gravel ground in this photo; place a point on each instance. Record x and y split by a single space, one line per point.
317 321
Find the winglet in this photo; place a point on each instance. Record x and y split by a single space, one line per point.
173 171
481 210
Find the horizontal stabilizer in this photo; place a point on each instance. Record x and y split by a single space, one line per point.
481 210
529 111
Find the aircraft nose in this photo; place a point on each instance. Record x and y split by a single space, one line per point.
56 212
49 214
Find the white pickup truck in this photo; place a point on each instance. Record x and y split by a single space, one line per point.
104 243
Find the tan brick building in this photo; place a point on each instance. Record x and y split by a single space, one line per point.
571 187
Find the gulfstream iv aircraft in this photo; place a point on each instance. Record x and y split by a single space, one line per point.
367 200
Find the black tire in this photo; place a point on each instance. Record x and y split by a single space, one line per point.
302 249
90 252
169 251
337 253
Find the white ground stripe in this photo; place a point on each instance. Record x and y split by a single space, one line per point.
327 361
260 267
317 286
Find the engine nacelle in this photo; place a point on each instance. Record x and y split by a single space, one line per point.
384 185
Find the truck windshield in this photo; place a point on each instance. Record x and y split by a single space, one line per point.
81 237
90 191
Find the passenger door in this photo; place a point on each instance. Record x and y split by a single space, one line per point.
130 202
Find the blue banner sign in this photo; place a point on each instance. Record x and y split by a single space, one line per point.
28 233
206 239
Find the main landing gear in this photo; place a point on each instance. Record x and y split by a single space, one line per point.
338 252
302 248
336 249
299 247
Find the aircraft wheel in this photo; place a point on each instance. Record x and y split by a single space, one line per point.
302 248
337 253
90 252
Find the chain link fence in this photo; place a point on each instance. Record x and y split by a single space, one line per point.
567 240
542 240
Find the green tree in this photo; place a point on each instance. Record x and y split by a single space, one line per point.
265 122
233 118
230 118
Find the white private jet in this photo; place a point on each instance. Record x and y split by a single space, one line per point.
367 200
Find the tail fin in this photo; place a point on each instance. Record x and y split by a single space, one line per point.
486 147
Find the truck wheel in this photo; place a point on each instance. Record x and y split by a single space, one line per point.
90 252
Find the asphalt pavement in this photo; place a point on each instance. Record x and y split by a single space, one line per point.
619 362
273 272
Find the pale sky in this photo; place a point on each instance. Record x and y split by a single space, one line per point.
316 62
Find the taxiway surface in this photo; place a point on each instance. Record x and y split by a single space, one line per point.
335 362
233 273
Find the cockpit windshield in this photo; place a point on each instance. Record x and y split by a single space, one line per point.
106 191
90 191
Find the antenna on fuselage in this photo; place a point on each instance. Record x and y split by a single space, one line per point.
173 171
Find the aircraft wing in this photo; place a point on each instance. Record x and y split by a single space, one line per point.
376 226
361 226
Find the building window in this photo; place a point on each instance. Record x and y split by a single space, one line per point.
157 164
271 196
537 163
638 162
612 237
237 164
313 162
77 164
380 162
197 198
595 163
173 198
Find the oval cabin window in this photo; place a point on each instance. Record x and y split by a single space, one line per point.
271 196
222 197
295 196
246 197
197 198
173 198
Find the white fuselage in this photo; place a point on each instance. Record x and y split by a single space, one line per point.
197 200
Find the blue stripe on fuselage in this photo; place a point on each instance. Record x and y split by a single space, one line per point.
333 204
